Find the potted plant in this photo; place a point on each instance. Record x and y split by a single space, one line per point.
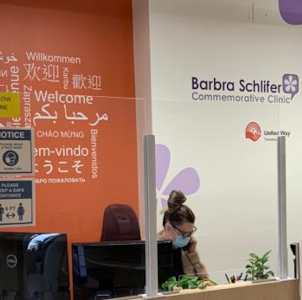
186 282
257 268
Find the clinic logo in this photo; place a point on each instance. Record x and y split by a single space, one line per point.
244 90
11 261
10 158
290 84
291 11
253 131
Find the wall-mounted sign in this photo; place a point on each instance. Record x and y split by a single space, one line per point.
9 105
17 202
16 151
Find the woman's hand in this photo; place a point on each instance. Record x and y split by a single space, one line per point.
193 244
208 283
205 282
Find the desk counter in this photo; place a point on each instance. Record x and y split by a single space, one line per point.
274 290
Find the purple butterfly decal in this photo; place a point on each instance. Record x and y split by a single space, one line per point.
186 180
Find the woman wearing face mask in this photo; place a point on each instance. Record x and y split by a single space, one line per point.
178 227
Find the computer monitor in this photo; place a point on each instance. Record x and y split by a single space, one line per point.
117 269
33 266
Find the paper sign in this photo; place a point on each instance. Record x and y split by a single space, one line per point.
17 202
16 151
9 105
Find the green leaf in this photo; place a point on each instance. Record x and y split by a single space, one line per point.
253 255
193 279
267 253
202 286
213 282
270 273
169 284
172 279
264 260
192 285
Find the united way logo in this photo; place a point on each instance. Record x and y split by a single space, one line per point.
290 84
253 131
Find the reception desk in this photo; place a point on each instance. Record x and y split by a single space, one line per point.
275 290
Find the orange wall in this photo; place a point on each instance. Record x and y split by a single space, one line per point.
99 32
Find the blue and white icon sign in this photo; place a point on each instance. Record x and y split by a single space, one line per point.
10 158
17 202
16 151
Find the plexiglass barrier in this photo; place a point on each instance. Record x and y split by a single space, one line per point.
290 122
217 100
230 180
86 184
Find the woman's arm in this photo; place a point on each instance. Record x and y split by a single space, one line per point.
192 265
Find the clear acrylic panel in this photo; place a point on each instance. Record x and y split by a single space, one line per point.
230 180
218 88
290 122
88 171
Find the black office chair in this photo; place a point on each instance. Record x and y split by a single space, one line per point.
120 223
47 272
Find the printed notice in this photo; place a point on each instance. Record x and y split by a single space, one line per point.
9 105
16 151
17 202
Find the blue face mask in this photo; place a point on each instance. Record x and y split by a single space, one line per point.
181 242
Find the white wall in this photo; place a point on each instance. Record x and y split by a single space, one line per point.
236 204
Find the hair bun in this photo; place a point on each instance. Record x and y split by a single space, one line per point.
176 200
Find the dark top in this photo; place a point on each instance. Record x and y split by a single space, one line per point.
177 263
